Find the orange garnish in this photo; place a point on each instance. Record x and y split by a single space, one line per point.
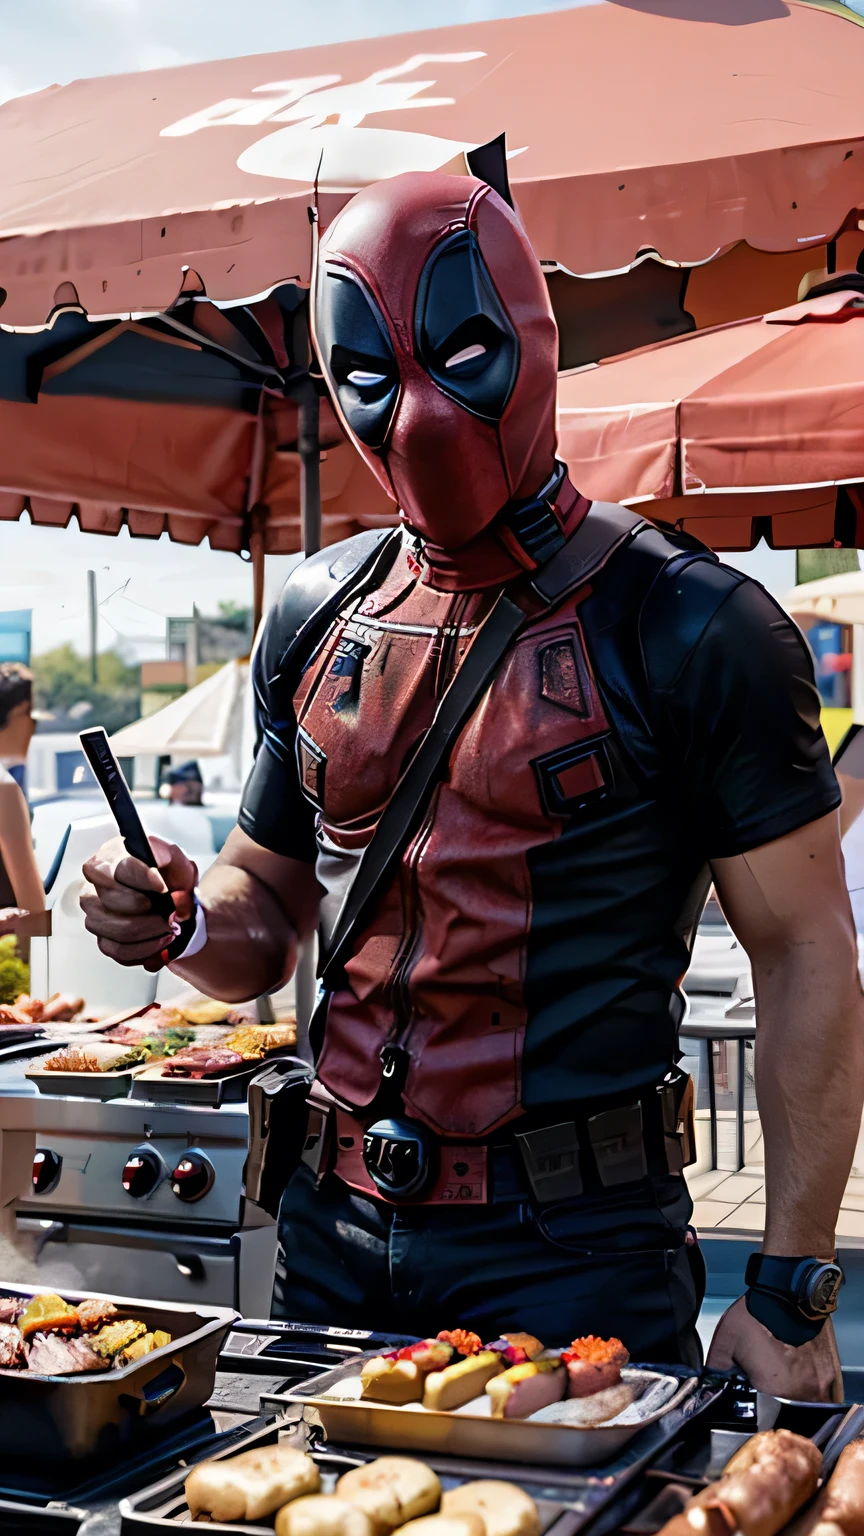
596 1351
464 1342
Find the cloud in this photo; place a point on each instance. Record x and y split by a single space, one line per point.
157 56
10 87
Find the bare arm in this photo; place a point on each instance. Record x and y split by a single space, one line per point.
853 800
256 903
16 846
788 904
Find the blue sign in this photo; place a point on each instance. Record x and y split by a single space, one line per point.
15 629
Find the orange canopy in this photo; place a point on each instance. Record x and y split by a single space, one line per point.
192 471
756 418
632 124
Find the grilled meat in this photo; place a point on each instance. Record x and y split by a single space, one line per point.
61 1008
52 1356
32 1006
13 1349
94 1314
11 1308
201 1061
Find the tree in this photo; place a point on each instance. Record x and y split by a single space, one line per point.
61 679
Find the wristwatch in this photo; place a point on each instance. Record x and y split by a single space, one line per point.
792 1297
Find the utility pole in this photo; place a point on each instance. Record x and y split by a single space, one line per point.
94 622
192 650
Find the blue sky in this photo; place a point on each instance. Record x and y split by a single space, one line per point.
44 41
48 41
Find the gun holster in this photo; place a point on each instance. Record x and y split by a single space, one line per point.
678 1109
278 1120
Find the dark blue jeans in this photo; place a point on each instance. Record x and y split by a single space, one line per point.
612 1264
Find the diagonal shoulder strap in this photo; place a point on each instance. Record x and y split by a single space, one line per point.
606 527
581 557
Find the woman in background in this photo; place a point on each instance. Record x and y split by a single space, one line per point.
22 894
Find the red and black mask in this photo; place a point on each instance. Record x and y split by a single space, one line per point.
434 330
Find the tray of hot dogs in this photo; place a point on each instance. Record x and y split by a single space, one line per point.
509 1400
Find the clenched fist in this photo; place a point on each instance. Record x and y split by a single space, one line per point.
116 903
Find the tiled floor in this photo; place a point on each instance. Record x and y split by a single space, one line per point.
735 1202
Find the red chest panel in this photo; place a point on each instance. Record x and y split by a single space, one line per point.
441 966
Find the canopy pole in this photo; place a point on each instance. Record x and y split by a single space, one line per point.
258 520
309 448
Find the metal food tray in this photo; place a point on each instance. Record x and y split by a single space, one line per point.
85 1085
163 1507
463 1433
95 1413
227 1087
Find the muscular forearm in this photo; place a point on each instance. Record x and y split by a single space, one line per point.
809 1086
251 944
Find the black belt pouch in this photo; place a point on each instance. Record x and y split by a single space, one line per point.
278 1118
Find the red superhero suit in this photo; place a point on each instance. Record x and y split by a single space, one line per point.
513 992
455 388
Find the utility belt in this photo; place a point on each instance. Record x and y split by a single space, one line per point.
595 1148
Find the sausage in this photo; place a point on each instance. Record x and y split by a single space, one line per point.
762 1487
842 1511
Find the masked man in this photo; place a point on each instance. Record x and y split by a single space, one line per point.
498 1130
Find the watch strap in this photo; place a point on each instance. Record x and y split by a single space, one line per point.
775 1297
782 1318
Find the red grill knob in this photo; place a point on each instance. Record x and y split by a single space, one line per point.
46 1170
192 1177
141 1173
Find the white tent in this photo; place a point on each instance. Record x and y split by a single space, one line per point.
204 722
834 599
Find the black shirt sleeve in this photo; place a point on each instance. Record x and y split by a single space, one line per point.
274 811
738 707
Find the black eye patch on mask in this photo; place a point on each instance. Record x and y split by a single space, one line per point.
357 355
462 332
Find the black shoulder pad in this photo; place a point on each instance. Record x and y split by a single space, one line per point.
688 591
310 584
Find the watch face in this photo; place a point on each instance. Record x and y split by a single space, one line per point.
821 1289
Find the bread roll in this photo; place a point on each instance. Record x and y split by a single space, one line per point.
390 1491
462 1382
504 1508
399 1377
323 1515
446 1525
391 1381
252 1485
764 1484
842 1507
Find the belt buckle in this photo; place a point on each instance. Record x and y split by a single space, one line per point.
399 1157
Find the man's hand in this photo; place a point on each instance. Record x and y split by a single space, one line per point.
808 1373
116 900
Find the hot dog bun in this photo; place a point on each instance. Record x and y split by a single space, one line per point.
462 1382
